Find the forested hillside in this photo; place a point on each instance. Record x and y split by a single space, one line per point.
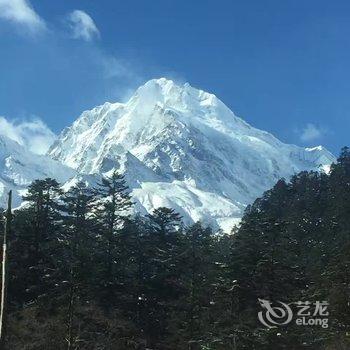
87 274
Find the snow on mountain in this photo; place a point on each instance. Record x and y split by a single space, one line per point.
183 148
19 167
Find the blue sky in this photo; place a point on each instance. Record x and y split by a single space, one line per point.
283 66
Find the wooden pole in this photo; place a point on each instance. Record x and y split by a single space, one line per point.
3 323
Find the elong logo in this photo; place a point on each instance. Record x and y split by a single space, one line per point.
274 316
282 314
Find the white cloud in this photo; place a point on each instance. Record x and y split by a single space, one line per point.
82 26
21 12
34 135
311 132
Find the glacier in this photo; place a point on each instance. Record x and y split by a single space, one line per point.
178 146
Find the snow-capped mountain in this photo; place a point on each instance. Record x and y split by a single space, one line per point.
183 148
19 167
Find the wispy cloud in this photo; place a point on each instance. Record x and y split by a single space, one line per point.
114 67
34 134
82 26
120 77
21 12
311 132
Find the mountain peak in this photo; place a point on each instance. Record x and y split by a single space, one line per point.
160 90
160 82
181 98
165 89
182 147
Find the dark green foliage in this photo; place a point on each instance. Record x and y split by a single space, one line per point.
113 205
293 244
35 243
86 273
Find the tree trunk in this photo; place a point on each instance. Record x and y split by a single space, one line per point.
3 310
71 310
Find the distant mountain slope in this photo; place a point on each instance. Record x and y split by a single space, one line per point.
182 147
19 167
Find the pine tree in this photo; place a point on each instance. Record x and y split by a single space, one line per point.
163 286
78 239
114 207
198 269
36 242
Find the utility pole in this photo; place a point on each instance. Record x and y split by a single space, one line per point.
3 323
